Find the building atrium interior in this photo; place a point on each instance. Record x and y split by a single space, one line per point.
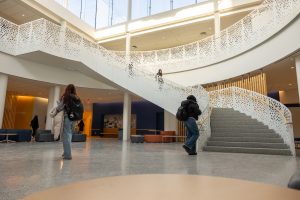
240 59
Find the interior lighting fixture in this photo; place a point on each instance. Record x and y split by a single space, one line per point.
290 84
293 67
23 15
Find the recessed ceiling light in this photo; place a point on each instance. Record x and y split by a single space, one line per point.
290 84
293 67
23 15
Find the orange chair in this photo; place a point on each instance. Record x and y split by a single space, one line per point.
153 138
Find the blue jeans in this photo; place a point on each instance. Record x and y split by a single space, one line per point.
192 133
67 137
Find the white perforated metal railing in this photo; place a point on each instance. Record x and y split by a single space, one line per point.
265 109
263 22
45 36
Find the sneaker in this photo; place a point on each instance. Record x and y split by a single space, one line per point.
188 150
193 154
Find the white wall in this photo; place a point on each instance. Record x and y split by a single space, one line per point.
170 122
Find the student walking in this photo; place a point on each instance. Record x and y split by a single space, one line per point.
188 112
65 105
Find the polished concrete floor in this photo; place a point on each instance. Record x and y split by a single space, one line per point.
169 186
30 167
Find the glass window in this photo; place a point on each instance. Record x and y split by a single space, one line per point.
139 8
75 6
182 3
119 11
103 13
158 6
60 1
89 11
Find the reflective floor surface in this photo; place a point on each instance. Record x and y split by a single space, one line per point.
30 167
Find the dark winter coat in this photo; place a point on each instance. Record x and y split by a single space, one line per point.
193 109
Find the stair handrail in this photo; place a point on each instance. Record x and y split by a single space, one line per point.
253 29
260 107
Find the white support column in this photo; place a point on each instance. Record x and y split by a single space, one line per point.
54 95
128 36
297 60
129 10
66 3
217 19
3 88
128 47
126 116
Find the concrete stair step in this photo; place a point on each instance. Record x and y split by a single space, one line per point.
239 130
229 115
245 126
257 135
247 150
247 139
230 118
240 122
248 144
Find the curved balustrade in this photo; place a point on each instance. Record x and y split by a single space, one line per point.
266 110
263 22
45 36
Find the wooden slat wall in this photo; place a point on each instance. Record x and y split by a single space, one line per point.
9 111
181 131
256 83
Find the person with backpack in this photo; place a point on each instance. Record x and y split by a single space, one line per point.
188 112
73 110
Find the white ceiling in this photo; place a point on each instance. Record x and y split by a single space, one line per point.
174 36
18 12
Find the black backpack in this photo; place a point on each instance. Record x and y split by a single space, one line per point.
182 113
75 110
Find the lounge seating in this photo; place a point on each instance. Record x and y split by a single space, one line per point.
137 138
78 137
294 182
44 136
23 135
153 138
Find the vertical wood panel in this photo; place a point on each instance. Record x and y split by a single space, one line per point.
256 83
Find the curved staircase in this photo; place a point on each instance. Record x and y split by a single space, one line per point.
235 132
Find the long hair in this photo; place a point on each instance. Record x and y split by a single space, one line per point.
69 91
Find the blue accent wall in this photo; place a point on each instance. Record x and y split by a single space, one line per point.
148 115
